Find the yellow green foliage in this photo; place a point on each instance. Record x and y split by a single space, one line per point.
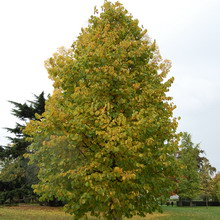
107 139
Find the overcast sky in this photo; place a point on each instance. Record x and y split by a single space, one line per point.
186 31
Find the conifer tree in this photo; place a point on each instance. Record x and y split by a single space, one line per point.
17 177
106 143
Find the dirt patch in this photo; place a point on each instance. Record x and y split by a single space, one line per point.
35 207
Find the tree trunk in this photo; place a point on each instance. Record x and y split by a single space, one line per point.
114 215
191 204
115 218
206 201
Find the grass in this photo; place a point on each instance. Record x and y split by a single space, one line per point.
35 212
32 212
191 213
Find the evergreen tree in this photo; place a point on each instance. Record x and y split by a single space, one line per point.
107 141
16 175
24 112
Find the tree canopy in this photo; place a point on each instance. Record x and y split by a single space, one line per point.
107 141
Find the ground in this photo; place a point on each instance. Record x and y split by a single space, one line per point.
36 212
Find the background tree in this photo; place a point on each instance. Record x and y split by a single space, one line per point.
216 188
107 140
189 178
195 177
206 182
16 175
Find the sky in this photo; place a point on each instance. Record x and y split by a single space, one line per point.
186 31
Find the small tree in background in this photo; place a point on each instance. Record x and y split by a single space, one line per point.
189 178
106 143
195 175
216 188
206 182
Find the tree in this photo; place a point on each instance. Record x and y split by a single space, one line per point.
106 143
189 178
216 187
195 177
206 182
16 175
218 190
24 112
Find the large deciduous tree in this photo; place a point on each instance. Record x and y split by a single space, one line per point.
106 143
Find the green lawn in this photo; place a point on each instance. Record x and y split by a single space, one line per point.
191 213
35 212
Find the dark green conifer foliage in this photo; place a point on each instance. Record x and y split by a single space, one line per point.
24 112
17 176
